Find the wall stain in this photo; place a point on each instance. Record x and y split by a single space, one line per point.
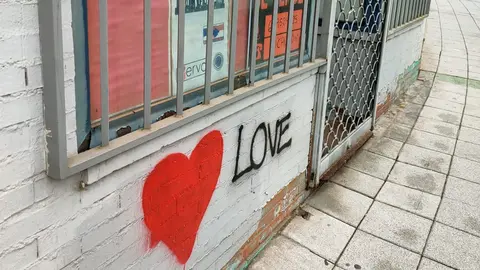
422 181
385 264
450 118
416 202
472 223
441 146
448 131
408 235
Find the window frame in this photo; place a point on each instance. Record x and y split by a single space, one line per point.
60 166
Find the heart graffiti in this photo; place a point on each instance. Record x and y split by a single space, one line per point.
177 192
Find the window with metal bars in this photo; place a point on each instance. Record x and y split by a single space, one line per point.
132 49
404 12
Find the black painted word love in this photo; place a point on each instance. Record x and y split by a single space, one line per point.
275 144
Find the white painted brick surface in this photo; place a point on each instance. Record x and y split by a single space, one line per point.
20 258
58 258
48 224
83 221
16 200
400 53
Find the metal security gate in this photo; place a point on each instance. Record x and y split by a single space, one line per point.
349 98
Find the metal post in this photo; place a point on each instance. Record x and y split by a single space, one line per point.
325 51
147 61
103 7
233 47
51 46
208 56
180 56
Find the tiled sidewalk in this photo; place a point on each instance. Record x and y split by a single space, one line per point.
410 199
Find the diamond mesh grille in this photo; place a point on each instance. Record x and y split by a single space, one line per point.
354 68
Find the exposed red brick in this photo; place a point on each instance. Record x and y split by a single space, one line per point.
275 214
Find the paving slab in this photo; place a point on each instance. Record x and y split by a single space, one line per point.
425 158
369 252
372 164
463 191
473 92
407 119
427 264
459 215
357 181
409 199
320 233
449 96
469 135
441 115
465 169
472 110
283 253
418 178
398 132
471 121
453 247
383 146
444 104
341 203
437 127
439 86
468 150
432 141
474 101
398 226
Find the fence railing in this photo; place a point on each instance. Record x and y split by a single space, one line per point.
406 11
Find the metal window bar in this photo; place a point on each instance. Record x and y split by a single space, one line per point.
289 36
411 10
304 33
422 8
104 71
233 47
394 12
401 14
147 60
417 9
180 56
407 11
253 49
315 30
273 39
414 9
51 38
208 56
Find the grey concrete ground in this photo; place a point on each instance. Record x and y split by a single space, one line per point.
410 199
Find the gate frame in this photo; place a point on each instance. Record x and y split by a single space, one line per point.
320 164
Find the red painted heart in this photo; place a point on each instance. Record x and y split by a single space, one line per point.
177 192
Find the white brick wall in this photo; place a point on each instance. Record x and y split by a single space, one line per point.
48 224
400 53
